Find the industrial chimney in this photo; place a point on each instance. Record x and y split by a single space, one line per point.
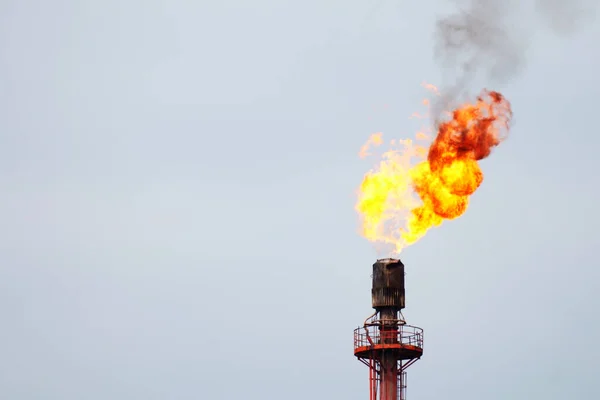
385 343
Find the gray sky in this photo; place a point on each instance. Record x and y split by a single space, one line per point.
177 222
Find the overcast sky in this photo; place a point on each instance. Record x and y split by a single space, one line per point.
177 222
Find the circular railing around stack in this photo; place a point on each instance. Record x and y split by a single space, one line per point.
404 341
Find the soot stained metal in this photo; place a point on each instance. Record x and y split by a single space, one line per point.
388 284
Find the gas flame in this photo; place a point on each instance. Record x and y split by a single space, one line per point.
414 188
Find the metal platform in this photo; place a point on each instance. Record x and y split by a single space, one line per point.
404 341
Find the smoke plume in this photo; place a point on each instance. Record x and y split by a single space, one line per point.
489 39
566 17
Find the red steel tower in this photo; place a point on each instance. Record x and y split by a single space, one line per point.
385 343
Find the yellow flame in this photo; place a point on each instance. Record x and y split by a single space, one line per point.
386 194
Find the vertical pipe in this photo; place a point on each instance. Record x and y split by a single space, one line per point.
371 379
389 379
388 332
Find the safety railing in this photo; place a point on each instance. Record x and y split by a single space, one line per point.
372 335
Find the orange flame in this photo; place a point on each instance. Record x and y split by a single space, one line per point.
445 176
